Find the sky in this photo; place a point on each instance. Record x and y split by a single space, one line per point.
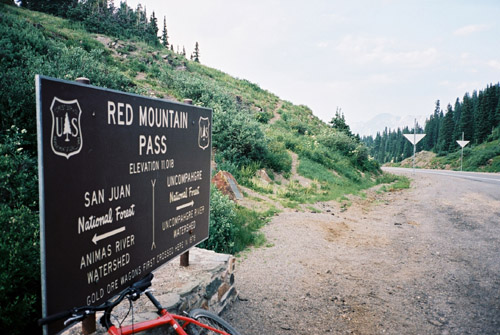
366 57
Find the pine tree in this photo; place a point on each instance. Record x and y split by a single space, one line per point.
457 133
376 146
446 142
497 113
481 119
339 123
467 118
196 54
164 35
492 98
153 26
432 128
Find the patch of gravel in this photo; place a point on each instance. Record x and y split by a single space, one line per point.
419 261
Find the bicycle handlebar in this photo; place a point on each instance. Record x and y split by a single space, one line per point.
54 317
135 290
144 283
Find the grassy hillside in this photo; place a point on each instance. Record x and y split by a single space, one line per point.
484 157
253 129
264 126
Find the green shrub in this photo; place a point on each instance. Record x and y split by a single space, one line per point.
278 158
474 159
25 51
232 227
225 165
238 138
247 223
399 183
222 229
246 173
338 141
19 236
263 116
386 178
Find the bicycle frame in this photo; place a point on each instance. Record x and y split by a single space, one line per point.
132 293
164 319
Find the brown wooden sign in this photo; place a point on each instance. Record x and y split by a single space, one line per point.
124 188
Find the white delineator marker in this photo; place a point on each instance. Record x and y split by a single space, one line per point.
414 139
462 144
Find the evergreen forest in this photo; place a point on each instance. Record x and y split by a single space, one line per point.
474 118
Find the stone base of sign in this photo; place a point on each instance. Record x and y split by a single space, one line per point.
208 282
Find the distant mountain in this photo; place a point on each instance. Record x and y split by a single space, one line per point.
381 121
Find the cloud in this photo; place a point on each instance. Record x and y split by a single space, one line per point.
470 29
494 64
380 79
322 44
386 51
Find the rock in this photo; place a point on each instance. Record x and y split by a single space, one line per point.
226 183
435 323
262 174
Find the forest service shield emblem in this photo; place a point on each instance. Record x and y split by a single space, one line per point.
66 136
204 133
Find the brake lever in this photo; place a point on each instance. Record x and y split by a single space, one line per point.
77 317
74 319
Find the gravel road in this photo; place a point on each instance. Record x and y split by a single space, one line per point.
419 261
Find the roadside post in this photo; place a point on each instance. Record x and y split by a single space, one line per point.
89 324
124 187
462 144
414 139
184 258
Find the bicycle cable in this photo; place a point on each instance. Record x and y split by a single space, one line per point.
131 308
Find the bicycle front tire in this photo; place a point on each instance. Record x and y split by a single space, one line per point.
209 319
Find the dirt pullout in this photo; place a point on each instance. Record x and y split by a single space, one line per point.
419 261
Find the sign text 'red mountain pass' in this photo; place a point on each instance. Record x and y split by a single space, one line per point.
124 187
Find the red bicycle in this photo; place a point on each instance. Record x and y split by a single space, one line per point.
197 322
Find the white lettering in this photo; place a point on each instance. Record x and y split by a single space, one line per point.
123 115
94 221
162 118
152 144
94 198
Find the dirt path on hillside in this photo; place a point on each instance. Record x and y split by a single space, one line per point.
418 261
276 115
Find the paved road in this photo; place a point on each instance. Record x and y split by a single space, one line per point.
490 178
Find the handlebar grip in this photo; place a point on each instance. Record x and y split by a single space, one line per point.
54 317
144 283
